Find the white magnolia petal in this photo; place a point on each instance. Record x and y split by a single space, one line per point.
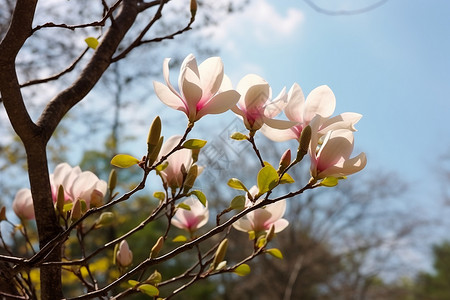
166 75
339 146
349 166
296 103
211 75
342 121
226 84
256 96
168 97
278 124
188 63
84 185
243 225
321 101
280 225
273 108
278 135
276 210
192 92
246 83
219 103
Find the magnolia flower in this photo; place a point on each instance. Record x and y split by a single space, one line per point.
254 105
199 88
23 204
260 220
172 175
77 185
124 256
192 219
332 157
321 101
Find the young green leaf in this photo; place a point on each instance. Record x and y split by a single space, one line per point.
124 161
286 178
239 136
179 238
194 144
267 179
159 195
242 270
200 196
133 283
236 184
275 253
329 181
149 289
184 206
238 202
92 42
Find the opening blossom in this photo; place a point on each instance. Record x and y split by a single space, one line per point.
77 185
172 174
321 101
199 88
261 219
332 157
191 220
255 107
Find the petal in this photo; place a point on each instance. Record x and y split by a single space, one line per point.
84 185
246 83
243 225
226 84
219 103
349 166
278 135
280 225
211 75
278 124
338 146
166 75
274 107
256 96
276 210
342 121
192 92
188 63
321 101
168 97
296 103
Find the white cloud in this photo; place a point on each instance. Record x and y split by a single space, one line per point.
260 21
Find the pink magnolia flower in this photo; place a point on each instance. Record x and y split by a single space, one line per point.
254 105
77 185
261 219
321 101
332 157
192 219
199 88
23 204
124 255
172 175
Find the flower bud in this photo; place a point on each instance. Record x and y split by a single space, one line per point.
105 219
153 135
96 198
190 178
112 182
304 140
60 200
76 210
124 256
284 161
154 278
154 155
270 233
3 214
157 247
193 8
220 253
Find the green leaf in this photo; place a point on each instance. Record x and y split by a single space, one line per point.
159 195
329 181
124 161
194 144
239 136
184 206
200 196
67 207
286 178
162 166
236 184
179 238
133 283
242 270
275 253
149 289
267 179
238 202
92 42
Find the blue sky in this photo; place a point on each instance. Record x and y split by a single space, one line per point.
391 64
